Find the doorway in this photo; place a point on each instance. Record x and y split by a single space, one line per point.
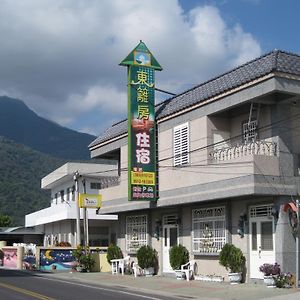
261 239
170 239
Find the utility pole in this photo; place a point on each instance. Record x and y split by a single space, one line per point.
78 235
85 219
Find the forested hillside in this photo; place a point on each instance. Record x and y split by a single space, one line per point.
21 170
22 125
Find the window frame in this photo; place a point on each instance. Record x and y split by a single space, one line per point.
214 235
139 225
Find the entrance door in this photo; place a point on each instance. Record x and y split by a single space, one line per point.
170 239
262 243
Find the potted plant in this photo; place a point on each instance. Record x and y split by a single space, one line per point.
84 259
147 259
233 260
113 252
270 271
179 256
284 280
87 262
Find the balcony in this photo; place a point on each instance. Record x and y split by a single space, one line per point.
267 147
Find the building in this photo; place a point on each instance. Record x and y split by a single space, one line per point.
58 222
228 163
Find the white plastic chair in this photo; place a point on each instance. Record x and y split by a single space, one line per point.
137 270
119 264
124 263
189 269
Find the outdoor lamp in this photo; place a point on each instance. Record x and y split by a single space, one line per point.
157 229
275 212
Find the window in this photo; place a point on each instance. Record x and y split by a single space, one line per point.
73 193
209 229
95 185
62 196
69 190
136 232
181 144
250 131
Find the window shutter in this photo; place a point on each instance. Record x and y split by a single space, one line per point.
181 144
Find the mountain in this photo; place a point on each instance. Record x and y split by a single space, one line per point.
21 170
22 125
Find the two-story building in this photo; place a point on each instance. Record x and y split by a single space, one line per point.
228 162
58 222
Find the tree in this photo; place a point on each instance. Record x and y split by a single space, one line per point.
5 221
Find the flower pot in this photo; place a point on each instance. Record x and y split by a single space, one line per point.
180 275
149 272
235 278
269 281
78 268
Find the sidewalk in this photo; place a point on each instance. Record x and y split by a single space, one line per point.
167 286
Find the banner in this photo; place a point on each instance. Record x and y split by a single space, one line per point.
141 124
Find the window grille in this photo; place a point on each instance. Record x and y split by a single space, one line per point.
181 144
136 232
209 229
261 211
95 185
250 131
170 220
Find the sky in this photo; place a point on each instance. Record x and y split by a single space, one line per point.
61 56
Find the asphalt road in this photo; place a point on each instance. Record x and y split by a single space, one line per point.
18 285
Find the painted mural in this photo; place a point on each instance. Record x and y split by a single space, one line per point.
10 258
60 259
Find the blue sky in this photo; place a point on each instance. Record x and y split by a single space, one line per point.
274 23
61 57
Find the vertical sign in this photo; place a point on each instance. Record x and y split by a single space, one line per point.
141 123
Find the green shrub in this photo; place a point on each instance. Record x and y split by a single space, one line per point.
147 257
83 257
179 255
113 252
232 258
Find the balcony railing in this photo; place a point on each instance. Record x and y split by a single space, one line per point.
108 182
263 147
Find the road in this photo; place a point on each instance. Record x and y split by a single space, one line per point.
18 285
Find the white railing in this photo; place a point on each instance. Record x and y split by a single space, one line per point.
107 182
263 147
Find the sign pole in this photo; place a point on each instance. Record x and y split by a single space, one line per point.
78 235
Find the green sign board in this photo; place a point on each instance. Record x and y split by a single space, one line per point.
141 124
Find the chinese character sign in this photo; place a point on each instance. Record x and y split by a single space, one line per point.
141 124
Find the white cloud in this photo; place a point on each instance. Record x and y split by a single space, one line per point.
62 56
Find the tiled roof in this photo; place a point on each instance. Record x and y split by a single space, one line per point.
276 60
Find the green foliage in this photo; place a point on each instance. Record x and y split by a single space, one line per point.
20 124
147 257
232 258
113 252
21 171
179 255
83 257
5 221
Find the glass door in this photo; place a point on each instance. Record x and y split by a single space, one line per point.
170 239
262 245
